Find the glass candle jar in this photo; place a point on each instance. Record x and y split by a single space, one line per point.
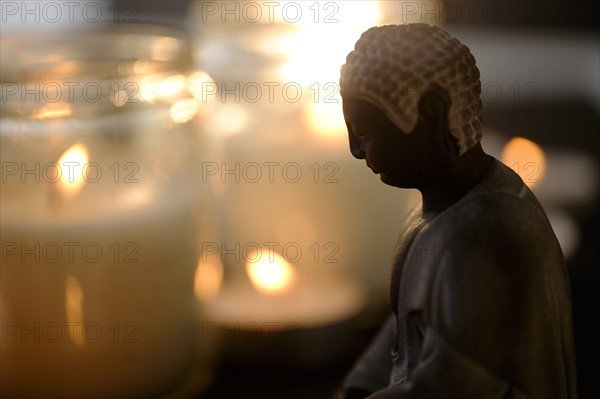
305 252
100 214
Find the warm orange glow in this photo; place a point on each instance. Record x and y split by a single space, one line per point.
227 119
171 86
183 110
526 158
139 195
71 164
208 279
165 48
74 308
270 273
52 111
202 86
142 66
326 119
119 98
153 88
296 225
313 51
319 44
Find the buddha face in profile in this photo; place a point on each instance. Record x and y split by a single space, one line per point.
387 150
411 101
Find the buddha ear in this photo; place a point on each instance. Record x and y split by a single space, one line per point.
434 107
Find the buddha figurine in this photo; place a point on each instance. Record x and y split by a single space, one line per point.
480 298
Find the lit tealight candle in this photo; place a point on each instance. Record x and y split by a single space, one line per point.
273 291
270 276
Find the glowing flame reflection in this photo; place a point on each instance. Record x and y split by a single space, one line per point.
74 308
208 279
269 273
71 170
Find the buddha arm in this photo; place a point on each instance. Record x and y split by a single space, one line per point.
372 371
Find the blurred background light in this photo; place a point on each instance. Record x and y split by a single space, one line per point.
526 158
269 272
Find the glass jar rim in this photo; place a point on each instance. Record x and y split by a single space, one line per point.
95 72
94 52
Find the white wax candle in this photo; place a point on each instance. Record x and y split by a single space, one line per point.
96 306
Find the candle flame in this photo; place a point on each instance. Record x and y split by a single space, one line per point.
71 165
208 279
526 158
74 308
270 273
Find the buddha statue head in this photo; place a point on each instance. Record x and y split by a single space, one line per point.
411 97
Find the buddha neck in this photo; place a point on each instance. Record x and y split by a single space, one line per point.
455 182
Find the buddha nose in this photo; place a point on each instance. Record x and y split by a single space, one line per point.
356 147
